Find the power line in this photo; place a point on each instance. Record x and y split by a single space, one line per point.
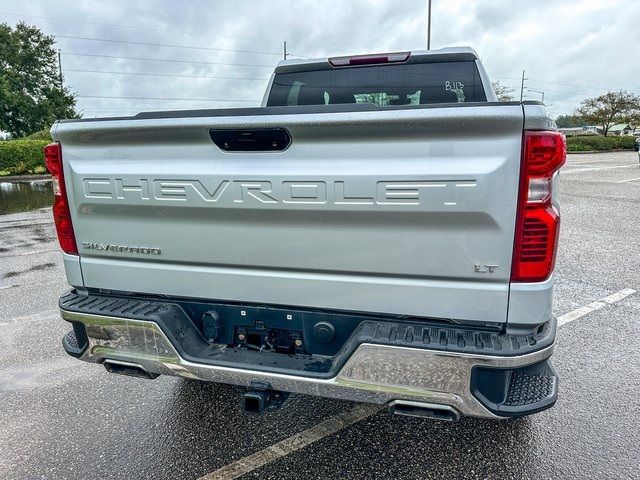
563 101
170 98
578 86
153 44
161 30
164 74
505 78
166 60
558 83
571 94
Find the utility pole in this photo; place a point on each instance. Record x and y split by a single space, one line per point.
284 50
429 26
522 86
60 70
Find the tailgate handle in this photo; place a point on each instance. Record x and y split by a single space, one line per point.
251 139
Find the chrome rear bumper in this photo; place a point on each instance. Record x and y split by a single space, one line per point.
378 374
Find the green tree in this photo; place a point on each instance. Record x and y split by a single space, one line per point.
564 121
609 109
31 97
503 92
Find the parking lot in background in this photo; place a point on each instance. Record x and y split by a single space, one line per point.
60 418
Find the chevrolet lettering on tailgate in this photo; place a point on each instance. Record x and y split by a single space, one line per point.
415 192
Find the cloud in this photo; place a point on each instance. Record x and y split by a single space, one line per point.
569 50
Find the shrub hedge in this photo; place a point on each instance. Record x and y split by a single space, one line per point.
597 143
19 157
41 135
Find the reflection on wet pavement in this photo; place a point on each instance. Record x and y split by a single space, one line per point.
24 196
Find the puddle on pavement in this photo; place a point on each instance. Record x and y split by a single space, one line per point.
25 195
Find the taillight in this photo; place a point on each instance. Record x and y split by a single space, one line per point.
370 59
537 219
61 213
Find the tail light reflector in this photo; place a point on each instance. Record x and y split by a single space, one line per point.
61 212
537 219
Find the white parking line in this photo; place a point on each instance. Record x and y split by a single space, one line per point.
342 420
593 306
596 169
289 445
628 180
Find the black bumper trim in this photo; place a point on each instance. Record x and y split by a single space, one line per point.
180 320
75 342
518 391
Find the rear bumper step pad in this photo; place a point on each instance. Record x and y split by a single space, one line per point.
516 392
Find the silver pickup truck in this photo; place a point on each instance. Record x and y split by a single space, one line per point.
380 230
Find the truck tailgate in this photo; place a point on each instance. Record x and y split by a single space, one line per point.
407 212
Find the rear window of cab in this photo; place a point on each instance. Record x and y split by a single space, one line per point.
382 85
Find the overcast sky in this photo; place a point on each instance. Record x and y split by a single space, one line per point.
569 50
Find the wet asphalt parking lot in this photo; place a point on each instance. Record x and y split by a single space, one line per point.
60 418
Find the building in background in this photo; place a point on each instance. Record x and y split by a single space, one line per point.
576 131
620 129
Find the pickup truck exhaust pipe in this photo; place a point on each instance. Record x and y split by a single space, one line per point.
424 410
129 369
